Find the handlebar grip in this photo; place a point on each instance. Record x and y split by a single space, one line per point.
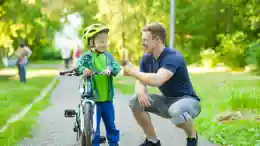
98 73
66 72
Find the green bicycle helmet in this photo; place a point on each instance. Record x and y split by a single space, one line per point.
92 30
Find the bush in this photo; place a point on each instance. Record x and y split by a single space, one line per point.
232 49
209 57
253 54
47 53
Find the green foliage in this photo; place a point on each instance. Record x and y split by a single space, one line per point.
48 53
232 49
209 58
24 21
198 25
253 54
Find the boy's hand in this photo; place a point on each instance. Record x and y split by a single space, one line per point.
108 71
88 72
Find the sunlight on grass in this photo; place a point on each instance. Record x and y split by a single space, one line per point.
244 99
22 128
15 95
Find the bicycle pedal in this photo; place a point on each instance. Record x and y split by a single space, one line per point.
75 129
69 113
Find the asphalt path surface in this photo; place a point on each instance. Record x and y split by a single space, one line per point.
55 130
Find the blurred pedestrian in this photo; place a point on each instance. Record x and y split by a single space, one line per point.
66 56
23 52
77 52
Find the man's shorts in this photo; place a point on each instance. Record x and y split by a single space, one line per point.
178 109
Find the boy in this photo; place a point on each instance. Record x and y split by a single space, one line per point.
98 59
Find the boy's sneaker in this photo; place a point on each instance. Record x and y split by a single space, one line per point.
149 143
192 141
103 139
5 61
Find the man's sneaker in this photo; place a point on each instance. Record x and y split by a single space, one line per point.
192 141
149 143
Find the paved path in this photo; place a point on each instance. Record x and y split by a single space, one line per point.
55 130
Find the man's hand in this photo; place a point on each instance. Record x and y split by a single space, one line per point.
144 100
129 69
108 71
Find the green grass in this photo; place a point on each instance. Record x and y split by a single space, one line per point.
15 95
124 84
22 128
222 92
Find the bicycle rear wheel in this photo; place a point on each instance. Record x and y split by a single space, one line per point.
86 136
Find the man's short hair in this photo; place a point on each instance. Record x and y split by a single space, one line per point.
156 29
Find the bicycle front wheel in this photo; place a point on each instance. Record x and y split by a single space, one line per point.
87 133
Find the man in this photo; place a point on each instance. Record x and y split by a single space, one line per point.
66 56
166 69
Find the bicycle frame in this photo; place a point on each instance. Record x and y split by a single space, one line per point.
93 115
87 96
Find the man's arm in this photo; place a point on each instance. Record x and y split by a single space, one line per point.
140 88
169 67
154 79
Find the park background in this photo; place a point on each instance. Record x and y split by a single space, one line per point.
220 40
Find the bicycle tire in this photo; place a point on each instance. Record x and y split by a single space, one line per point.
86 136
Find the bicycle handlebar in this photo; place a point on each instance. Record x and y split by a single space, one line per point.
62 73
73 73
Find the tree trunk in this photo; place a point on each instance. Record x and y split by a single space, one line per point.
218 7
229 18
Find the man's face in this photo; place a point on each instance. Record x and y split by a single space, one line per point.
148 42
101 42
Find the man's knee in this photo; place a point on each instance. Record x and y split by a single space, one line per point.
134 104
183 111
179 117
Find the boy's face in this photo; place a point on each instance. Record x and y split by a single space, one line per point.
101 42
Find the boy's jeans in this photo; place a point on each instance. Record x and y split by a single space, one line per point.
22 72
106 111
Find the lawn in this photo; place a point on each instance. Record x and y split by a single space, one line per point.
230 106
40 62
22 128
15 95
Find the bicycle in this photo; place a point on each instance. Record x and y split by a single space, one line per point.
85 120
